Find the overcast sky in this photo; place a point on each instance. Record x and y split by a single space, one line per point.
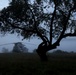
68 44
3 3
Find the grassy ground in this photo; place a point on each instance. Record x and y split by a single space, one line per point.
30 64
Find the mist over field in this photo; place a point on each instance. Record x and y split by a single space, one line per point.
67 44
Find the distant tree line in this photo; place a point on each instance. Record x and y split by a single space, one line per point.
18 48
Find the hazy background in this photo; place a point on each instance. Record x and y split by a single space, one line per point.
68 44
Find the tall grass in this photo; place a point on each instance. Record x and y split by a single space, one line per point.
30 64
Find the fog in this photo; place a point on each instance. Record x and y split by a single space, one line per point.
67 44
8 41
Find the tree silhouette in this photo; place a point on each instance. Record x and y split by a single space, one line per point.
19 48
30 19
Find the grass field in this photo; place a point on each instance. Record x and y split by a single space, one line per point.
30 64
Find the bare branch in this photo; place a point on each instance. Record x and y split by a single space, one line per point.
69 35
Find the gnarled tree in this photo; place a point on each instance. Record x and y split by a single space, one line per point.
32 19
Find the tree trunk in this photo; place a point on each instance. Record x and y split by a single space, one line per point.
42 54
43 48
41 51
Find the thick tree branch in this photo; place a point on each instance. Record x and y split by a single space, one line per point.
25 30
44 38
14 26
69 35
51 25
64 28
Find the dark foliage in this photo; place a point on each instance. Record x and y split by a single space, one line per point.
19 48
30 19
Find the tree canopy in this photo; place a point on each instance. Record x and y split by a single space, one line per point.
46 19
